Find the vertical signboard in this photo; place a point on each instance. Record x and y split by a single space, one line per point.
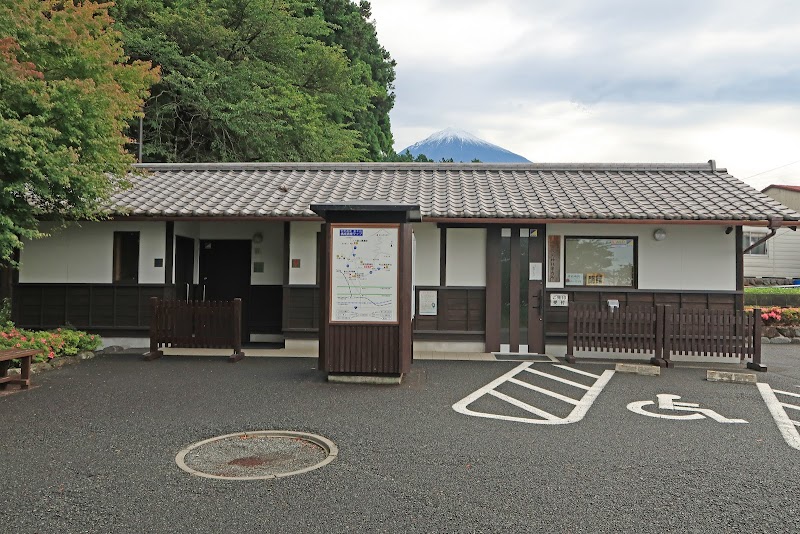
364 273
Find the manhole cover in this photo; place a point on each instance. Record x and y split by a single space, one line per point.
257 455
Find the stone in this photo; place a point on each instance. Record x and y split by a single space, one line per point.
86 355
797 332
764 340
786 331
770 332
730 376
638 369
112 348
781 340
796 341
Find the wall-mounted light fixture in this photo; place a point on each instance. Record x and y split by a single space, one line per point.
258 237
660 234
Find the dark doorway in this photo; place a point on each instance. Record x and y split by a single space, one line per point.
225 274
184 267
522 289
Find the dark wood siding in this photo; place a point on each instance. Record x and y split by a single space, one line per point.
556 317
461 312
301 309
89 306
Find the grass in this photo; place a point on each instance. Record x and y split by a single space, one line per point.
773 290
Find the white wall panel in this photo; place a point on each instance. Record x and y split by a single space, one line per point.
692 257
427 261
303 246
466 257
782 258
83 253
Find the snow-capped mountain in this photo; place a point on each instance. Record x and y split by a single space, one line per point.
462 146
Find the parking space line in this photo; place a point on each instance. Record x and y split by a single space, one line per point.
553 394
580 407
792 406
776 408
527 407
581 372
559 379
786 393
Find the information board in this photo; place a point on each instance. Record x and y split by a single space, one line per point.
364 274
427 302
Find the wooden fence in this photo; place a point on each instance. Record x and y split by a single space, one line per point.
665 331
195 324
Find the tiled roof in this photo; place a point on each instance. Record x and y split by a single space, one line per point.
526 191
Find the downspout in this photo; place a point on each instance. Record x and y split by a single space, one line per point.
774 224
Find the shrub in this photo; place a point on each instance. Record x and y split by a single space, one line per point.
61 342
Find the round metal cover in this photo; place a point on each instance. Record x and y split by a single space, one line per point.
257 455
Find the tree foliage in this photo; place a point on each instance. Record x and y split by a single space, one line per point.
67 92
371 65
247 80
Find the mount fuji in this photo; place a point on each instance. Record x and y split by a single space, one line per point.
462 146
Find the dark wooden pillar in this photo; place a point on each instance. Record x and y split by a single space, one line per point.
739 300
169 260
493 305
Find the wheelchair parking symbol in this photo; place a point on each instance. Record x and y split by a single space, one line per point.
691 411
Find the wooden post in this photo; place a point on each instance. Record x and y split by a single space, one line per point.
570 356
237 331
661 356
756 364
154 331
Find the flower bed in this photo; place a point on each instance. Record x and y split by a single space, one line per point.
781 325
56 343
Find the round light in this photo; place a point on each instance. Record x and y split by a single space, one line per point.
660 235
258 237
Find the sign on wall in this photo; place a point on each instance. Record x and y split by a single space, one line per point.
559 299
427 302
364 271
554 258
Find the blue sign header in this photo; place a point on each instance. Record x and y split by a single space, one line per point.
351 232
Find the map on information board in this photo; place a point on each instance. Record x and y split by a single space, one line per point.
364 274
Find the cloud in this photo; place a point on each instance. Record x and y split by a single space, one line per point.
609 80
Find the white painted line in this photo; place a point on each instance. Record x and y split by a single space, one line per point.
559 379
553 394
785 425
527 407
579 371
577 413
792 406
787 392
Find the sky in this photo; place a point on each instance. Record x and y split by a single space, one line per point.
604 80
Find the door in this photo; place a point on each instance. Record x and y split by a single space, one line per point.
184 267
522 289
225 273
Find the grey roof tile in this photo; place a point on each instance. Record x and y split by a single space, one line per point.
527 191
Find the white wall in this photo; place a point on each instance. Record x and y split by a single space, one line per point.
692 257
466 257
83 253
782 258
427 261
303 246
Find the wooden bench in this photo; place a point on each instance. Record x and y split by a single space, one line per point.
6 355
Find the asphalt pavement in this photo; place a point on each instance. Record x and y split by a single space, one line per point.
91 448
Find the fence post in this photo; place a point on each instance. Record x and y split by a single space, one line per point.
756 364
570 356
659 356
154 331
236 317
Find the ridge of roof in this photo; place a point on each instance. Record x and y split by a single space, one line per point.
331 166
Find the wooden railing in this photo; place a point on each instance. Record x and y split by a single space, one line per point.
664 331
195 324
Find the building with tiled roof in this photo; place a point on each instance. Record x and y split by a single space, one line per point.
627 233
776 261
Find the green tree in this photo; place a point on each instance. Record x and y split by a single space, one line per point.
371 66
67 92
243 80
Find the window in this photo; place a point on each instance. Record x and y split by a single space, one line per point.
749 238
126 257
600 261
